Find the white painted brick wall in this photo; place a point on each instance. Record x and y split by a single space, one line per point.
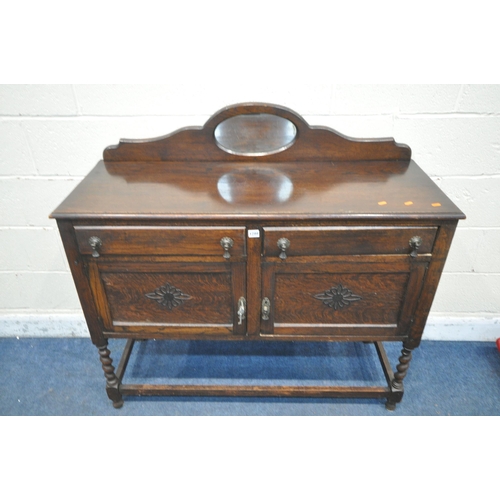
52 135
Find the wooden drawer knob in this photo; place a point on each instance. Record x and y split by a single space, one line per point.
415 243
96 244
226 243
283 245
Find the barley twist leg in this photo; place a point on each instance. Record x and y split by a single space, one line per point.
399 375
112 381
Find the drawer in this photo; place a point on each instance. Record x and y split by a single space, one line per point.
353 240
160 240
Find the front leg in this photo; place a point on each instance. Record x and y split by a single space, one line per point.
112 381
402 368
397 382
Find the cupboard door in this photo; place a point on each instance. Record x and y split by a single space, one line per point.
348 298
169 298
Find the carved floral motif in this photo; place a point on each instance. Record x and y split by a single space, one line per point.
168 296
337 297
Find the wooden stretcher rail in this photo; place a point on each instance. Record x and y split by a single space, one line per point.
261 390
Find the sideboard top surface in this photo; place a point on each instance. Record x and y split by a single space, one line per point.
258 191
218 171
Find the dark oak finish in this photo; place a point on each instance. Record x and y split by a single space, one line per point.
326 238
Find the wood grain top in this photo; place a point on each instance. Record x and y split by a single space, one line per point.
258 191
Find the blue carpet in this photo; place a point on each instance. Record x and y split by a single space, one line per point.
64 377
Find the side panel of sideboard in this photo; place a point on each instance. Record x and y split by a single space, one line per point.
440 252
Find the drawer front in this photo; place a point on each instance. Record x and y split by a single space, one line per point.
160 240
347 240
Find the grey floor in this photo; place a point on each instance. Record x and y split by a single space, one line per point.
63 376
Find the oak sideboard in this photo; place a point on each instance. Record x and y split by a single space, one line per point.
257 227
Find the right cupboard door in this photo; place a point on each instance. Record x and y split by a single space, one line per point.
361 297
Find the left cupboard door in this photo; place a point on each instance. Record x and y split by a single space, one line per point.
171 299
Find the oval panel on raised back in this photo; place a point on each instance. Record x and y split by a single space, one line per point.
255 134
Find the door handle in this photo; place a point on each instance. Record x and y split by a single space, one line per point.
242 307
266 308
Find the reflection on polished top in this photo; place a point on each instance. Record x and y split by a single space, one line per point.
258 190
240 186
